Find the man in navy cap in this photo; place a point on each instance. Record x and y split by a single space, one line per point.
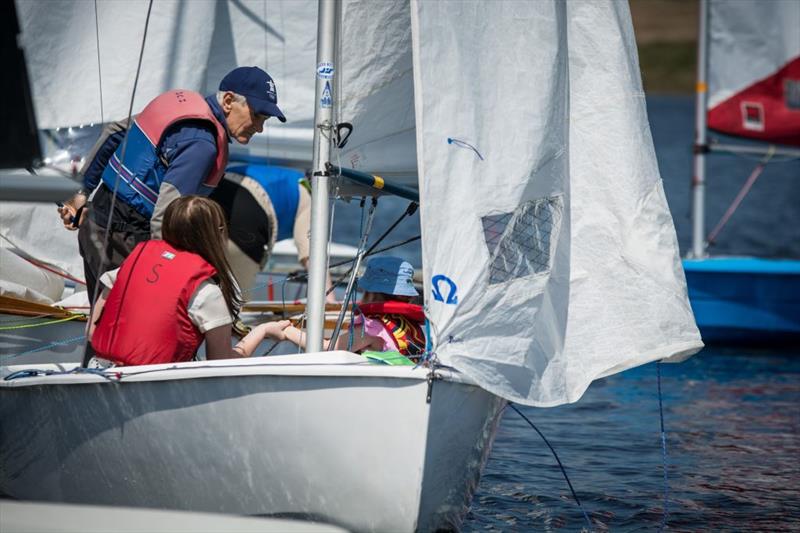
177 145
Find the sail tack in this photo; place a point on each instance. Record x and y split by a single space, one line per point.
549 253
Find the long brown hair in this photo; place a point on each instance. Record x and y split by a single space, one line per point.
197 224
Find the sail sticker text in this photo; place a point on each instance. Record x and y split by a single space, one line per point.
451 298
325 70
327 100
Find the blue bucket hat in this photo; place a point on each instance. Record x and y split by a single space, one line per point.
389 275
257 86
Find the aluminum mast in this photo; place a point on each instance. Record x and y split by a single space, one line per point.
700 143
323 112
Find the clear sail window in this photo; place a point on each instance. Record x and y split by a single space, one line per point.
520 242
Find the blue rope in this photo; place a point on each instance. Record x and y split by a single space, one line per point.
34 372
663 451
46 346
585 516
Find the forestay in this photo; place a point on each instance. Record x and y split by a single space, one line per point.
550 257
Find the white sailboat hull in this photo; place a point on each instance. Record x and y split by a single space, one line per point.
323 436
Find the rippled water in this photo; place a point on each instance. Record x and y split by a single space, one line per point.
733 443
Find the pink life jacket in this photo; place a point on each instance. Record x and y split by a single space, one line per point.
146 316
170 107
132 168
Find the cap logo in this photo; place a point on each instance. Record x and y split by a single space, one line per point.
271 88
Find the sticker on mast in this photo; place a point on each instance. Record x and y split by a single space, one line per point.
325 70
327 100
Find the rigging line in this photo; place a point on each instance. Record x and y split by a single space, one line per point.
368 254
37 324
25 320
397 244
39 263
64 342
54 271
561 466
410 210
748 184
663 451
99 71
350 291
784 158
107 233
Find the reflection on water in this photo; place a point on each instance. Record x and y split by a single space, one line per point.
733 437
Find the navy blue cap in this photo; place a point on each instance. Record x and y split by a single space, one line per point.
257 86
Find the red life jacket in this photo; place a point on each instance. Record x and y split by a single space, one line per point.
403 321
146 316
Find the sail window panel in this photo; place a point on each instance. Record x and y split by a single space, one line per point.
791 91
520 242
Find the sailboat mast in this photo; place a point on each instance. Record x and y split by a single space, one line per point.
700 142
323 113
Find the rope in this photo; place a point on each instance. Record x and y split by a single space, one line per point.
64 342
40 263
663 451
54 271
561 466
351 284
99 71
107 233
740 196
784 159
37 324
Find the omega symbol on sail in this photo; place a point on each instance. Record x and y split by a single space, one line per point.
451 297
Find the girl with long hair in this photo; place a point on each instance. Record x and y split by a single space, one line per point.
170 295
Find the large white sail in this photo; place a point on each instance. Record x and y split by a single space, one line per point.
375 81
189 45
754 69
549 253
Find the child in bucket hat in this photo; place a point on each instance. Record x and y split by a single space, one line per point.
386 322
389 277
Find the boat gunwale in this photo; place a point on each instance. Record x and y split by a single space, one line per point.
342 364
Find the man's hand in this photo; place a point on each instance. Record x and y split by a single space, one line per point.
72 211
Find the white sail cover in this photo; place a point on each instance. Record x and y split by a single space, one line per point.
754 69
550 257
189 45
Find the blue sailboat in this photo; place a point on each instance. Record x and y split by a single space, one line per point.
747 87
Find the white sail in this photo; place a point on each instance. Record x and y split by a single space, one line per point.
375 80
549 253
190 45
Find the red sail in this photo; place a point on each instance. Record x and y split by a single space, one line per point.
768 110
